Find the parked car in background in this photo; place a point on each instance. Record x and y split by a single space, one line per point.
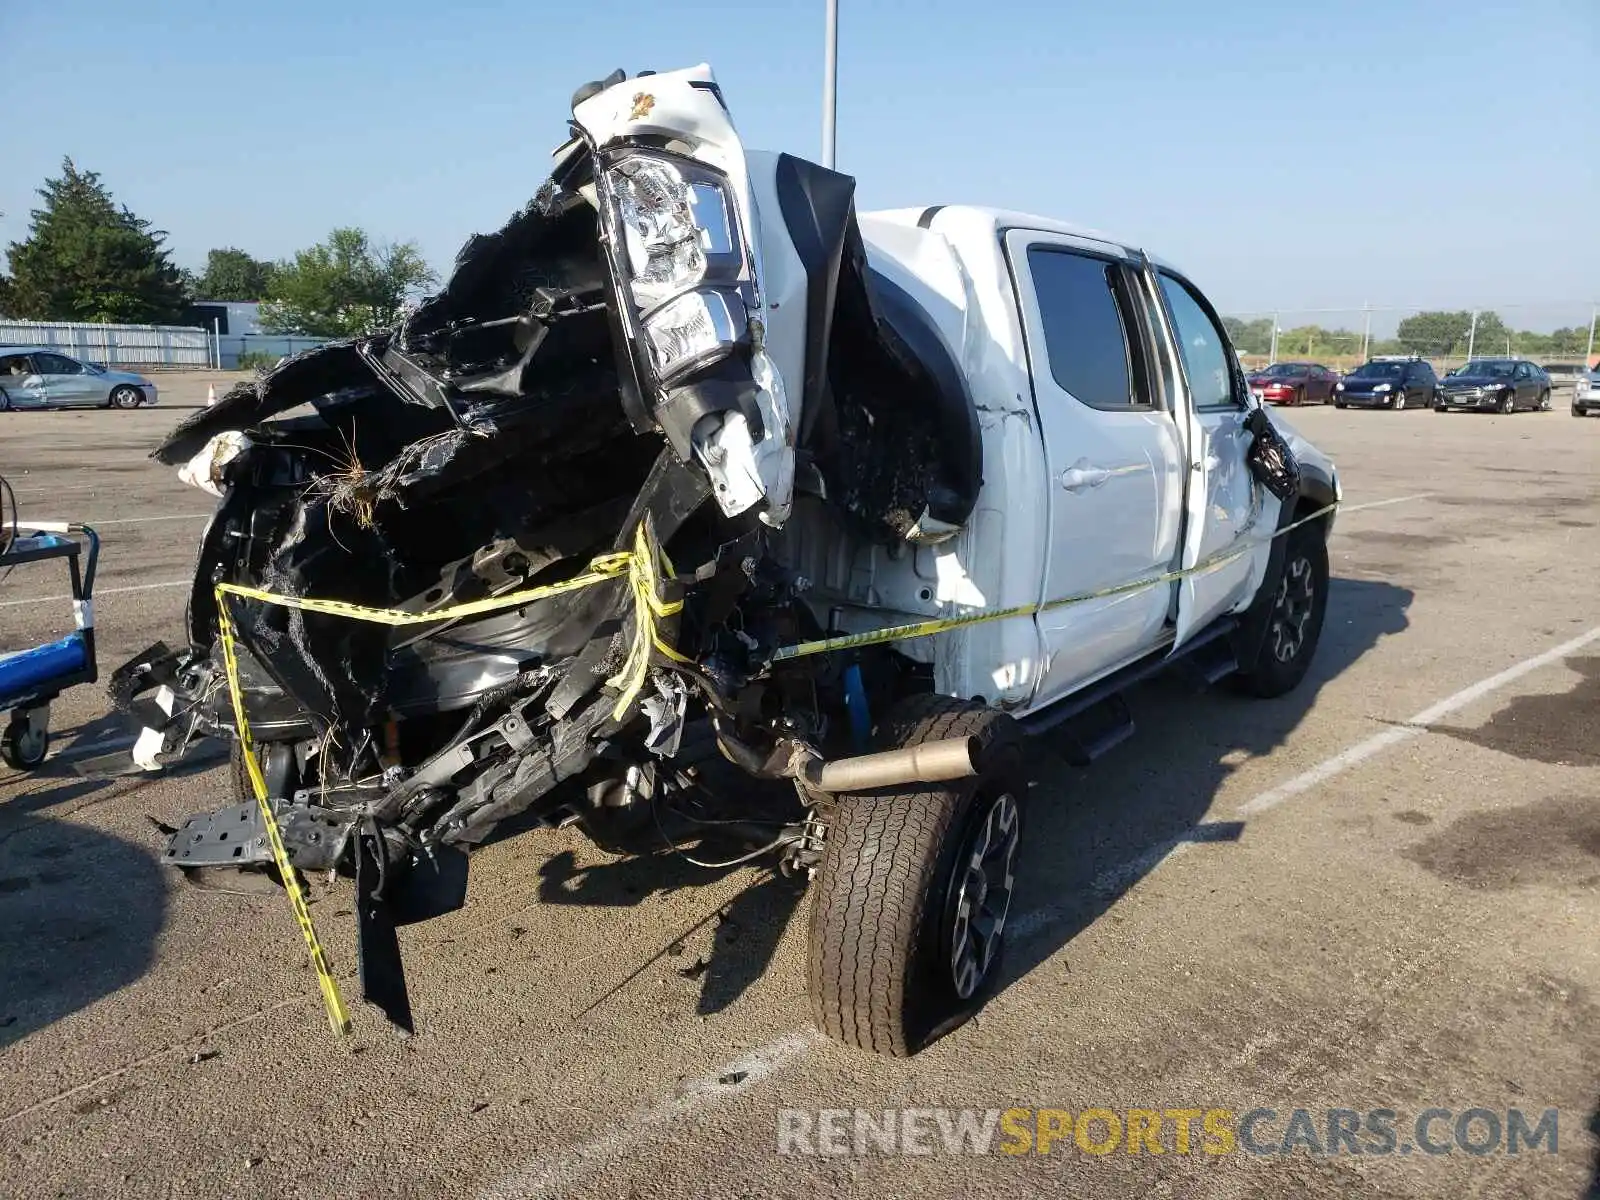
1564 376
1294 383
38 377
1586 393
1387 382
1501 385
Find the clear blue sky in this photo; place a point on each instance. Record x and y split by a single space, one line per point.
1410 151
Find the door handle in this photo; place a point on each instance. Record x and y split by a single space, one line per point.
1080 478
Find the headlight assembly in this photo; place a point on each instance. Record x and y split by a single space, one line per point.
680 252
690 331
676 230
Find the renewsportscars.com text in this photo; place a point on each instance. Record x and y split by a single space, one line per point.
1179 1131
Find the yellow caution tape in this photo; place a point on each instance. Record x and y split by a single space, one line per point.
916 629
643 564
643 567
607 566
331 1000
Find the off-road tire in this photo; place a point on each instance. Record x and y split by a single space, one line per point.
882 919
1270 675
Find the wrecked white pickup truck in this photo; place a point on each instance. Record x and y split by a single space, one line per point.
691 478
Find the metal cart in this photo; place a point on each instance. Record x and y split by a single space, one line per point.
31 679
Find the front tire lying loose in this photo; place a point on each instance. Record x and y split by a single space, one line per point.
912 897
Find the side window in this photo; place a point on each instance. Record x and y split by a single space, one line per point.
15 366
1087 339
55 364
1523 372
1202 347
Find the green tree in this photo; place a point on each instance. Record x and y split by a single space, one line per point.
344 286
1449 333
1433 333
88 259
1492 336
232 274
1249 337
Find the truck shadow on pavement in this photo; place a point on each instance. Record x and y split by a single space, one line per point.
743 933
80 911
1093 833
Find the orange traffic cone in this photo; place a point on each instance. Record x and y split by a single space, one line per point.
211 395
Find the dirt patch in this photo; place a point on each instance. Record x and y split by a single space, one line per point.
1544 728
1551 841
1412 817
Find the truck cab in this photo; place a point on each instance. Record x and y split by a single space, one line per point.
1111 414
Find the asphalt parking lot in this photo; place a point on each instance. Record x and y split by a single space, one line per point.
1380 892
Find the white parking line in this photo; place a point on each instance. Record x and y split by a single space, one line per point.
141 520
552 1175
1350 508
1394 735
98 592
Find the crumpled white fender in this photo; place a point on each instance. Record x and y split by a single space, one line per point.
206 469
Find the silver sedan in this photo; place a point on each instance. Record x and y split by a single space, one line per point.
38 377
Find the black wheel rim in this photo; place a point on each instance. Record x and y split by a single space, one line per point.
1291 610
984 881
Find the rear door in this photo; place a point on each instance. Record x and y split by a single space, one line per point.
1427 383
1112 450
67 381
24 386
1223 504
1527 386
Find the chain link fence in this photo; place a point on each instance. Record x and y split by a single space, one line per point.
1344 338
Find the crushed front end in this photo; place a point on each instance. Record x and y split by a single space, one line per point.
434 613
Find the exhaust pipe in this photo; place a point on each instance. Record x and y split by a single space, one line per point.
927 762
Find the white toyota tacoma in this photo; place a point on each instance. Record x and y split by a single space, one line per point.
709 516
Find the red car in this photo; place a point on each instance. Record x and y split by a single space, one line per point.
1294 383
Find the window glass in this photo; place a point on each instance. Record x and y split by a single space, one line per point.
15 366
1085 339
56 364
1200 342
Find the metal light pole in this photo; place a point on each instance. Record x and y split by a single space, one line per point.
1472 334
830 85
1588 354
1272 351
1366 331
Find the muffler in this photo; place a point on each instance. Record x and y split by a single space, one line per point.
926 762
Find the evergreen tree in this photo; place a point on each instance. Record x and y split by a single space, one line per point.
86 258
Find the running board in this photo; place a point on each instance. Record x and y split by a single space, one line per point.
1209 651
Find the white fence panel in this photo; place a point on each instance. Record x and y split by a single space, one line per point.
116 345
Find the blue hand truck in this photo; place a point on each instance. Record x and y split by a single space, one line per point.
30 679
